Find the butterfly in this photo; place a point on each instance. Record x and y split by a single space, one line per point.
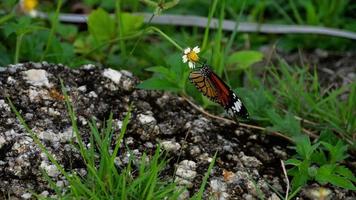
208 83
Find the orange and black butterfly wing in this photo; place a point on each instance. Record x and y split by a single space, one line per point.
204 85
229 100
215 89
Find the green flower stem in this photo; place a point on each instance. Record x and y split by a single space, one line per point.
166 37
210 16
18 46
53 29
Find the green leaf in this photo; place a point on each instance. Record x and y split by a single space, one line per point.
130 23
337 152
299 180
293 161
341 182
101 25
324 173
304 147
158 84
319 157
245 59
328 136
300 174
21 26
345 172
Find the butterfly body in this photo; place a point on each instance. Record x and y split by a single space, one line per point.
211 85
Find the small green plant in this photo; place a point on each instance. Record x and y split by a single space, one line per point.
300 92
321 162
104 179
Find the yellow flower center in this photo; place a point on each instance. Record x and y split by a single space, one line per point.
29 5
192 56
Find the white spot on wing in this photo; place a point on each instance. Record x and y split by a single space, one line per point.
237 105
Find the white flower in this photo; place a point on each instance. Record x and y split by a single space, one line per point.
191 56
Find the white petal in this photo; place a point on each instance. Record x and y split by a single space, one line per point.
185 58
196 49
191 65
33 13
187 50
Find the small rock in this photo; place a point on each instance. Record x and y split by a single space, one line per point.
4 106
183 182
82 88
249 161
186 173
51 170
119 124
127 73
45 193
11 80
60 184
92 94
205 157
184 195
146 119
129 141
36 77
2 141
113 75
194 150
248 197
186 169
273 197
53 112
282 154
88 66
128 85
26 196
218 189
148 145
170 146
37 95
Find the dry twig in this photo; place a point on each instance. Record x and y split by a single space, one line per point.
287 180
233 122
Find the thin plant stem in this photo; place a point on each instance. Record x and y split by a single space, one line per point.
166 37
232 37
53 29
287 180
119 20
210 16
18 47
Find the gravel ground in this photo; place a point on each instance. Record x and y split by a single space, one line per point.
248 162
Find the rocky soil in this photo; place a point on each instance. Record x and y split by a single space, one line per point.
248 162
